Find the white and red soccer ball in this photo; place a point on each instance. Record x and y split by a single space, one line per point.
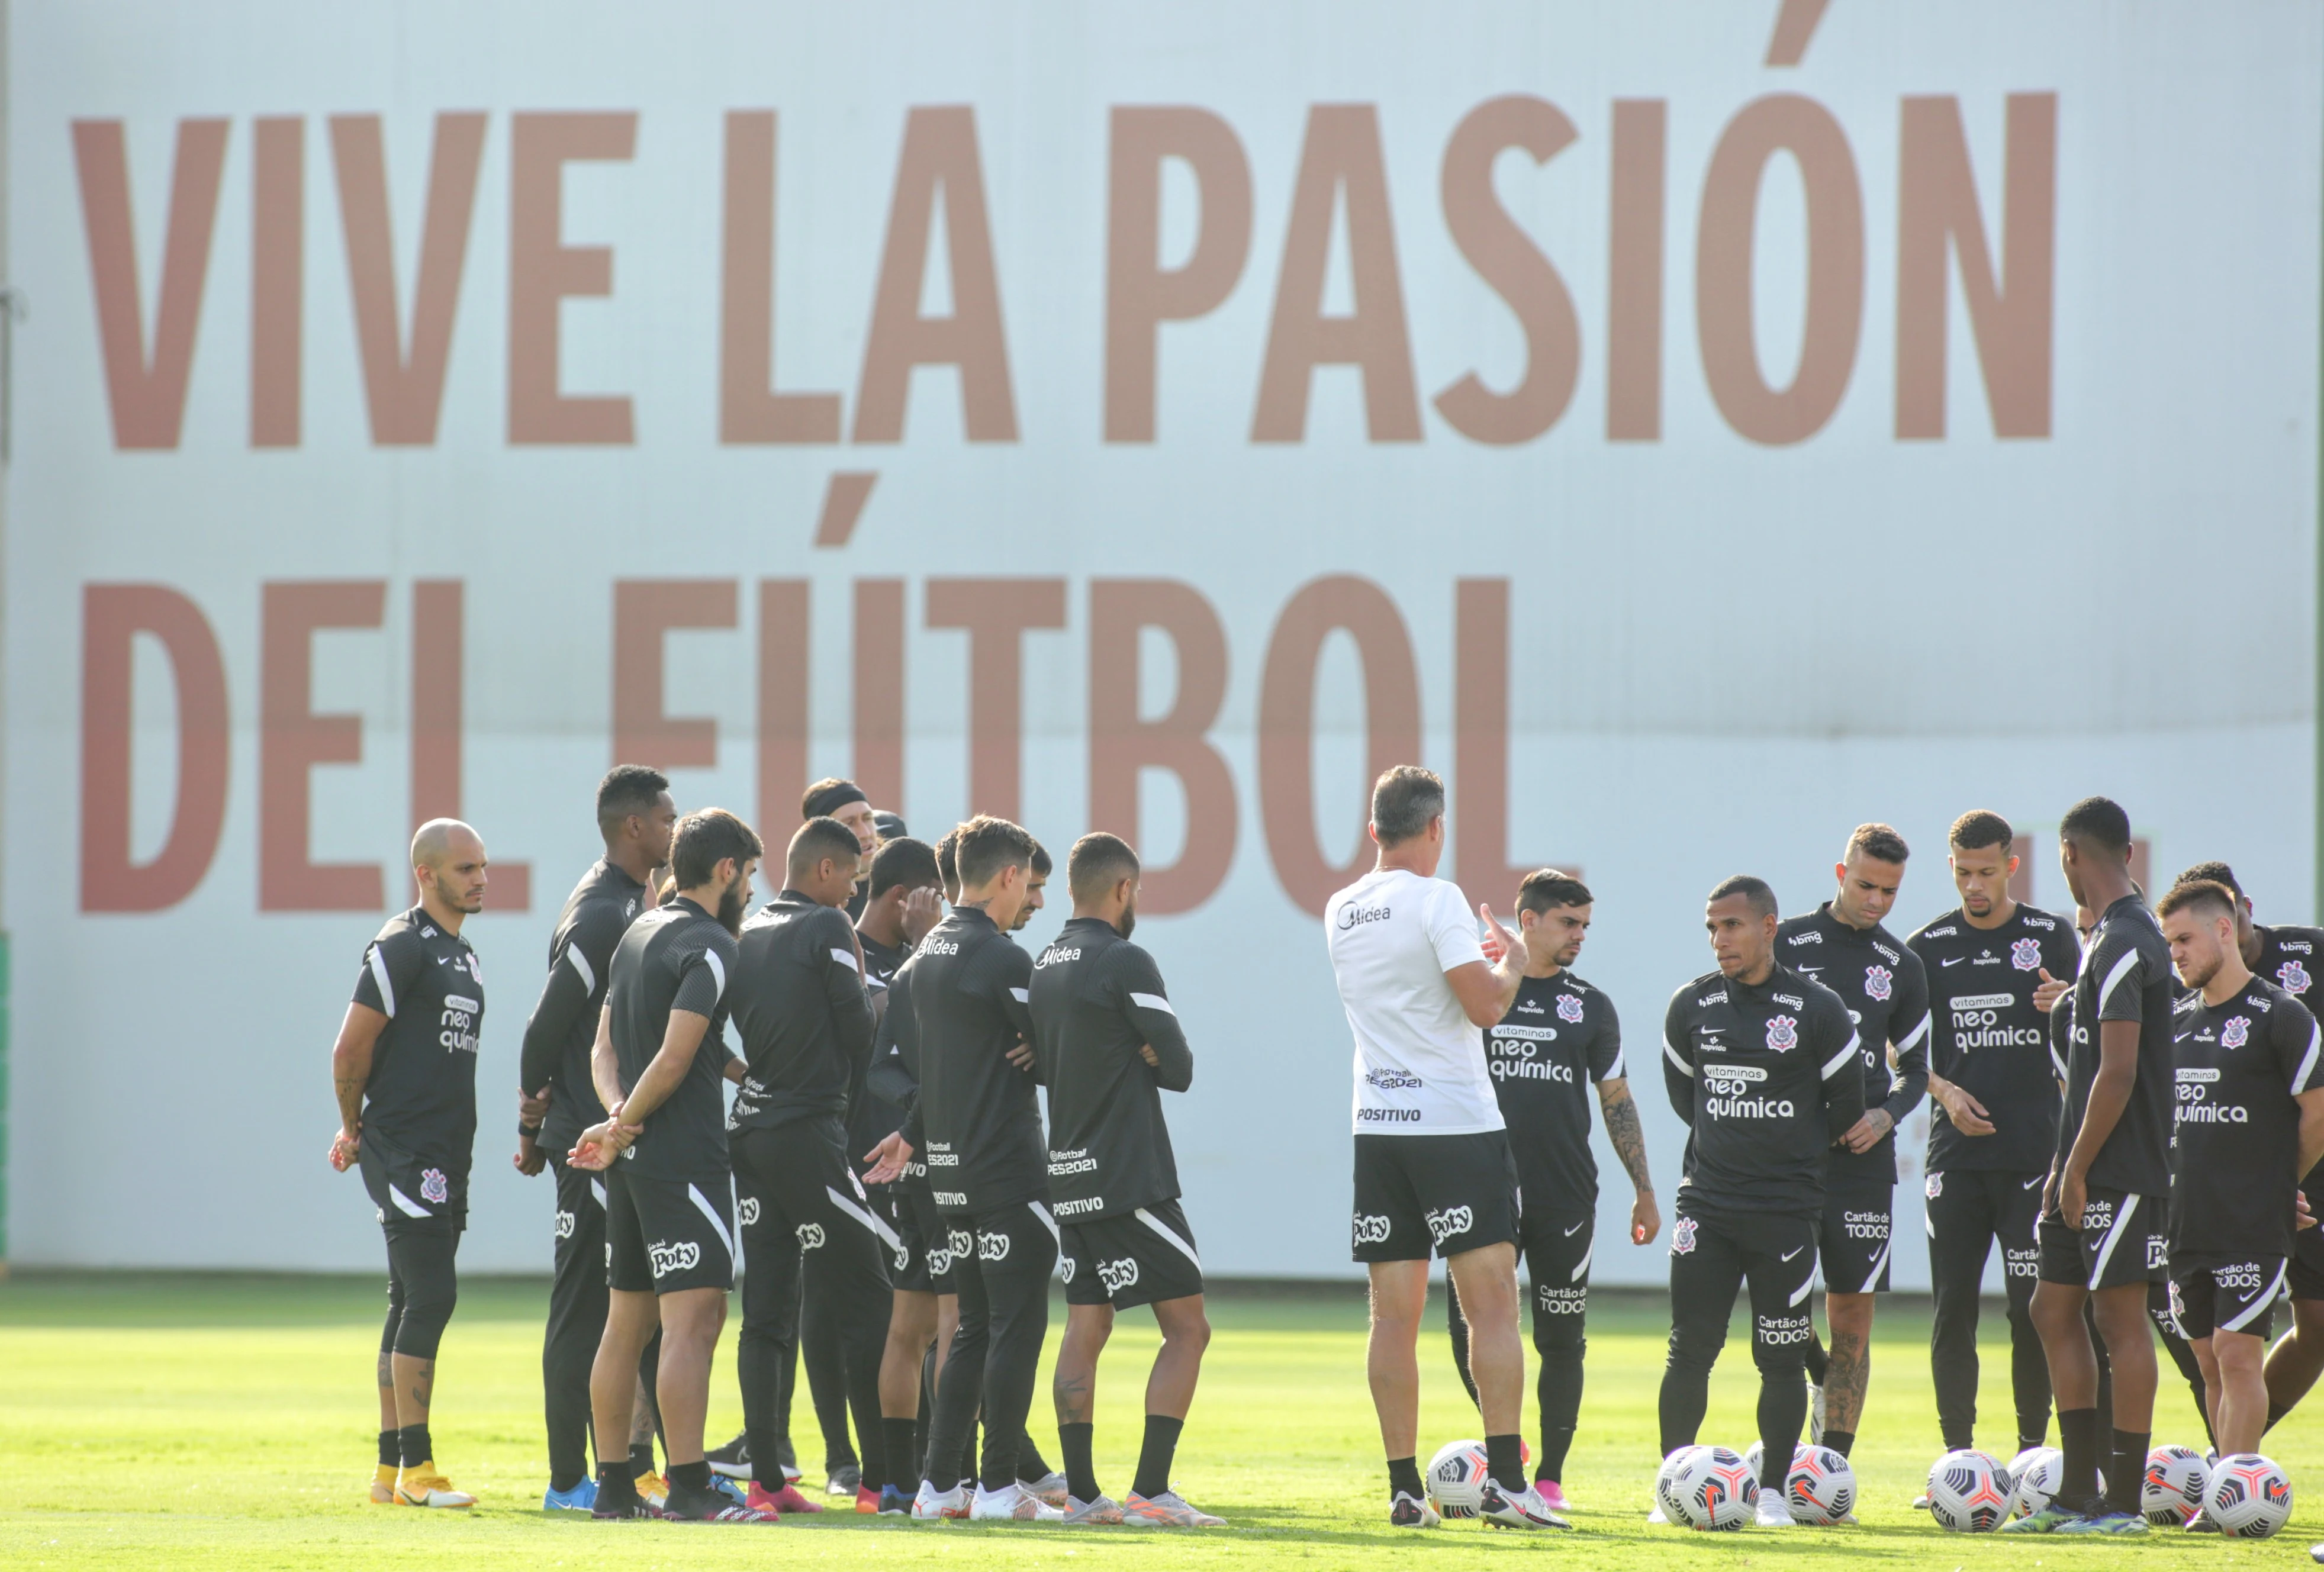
1969 1491
2248 1497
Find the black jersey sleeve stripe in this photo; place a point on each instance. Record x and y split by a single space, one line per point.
2114 981
1840 1061
581 966
1918 1033
2300 1080
1152 1001
378 963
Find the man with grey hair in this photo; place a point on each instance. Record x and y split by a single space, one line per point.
1433 1174
405 1070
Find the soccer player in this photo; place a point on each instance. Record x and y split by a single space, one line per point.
1762 1064
1559 1034
1432 1168
635 817
1843 945
2288 957
1995 1126
2250 1122
799 1003
1109 1044
2103 1214
669 1213
845 801
405 1070
977 1120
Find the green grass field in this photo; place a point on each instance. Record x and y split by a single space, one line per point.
223 1421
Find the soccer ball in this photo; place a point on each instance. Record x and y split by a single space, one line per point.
2249 1497
1666 1482
1968 1492
2034 1474
1711 1488
1456 1478
2172 1491
1820 1488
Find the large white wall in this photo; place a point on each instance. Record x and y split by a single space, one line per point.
1724 652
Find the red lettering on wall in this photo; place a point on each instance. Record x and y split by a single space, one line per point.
1286 717
646 611
148 397
1724 247
293 739
2009 310
749 408
544 272
1481 742
1140 293
939 154
783 668
1634 273
112 617
996 613
278 270
439 639
404 389
1123 743
879 701
1342 154
1507 259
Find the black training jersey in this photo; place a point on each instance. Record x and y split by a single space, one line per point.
976 1122
420 1101
799 1001
676 957
1097 998
2290 958
894 1077
2125 977
1986 1038
1886 992
2235 1153
872 1118
563 1032
1560 1036
1767 1078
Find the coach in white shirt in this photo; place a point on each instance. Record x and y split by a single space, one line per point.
1432 1167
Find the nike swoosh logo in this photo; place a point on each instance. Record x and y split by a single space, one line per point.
1792 1252
1951 960
2033 1181
1574 1229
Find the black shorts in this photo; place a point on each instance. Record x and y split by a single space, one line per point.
887 1203
411 1195
2211 1294
938 1244
1442 1194
2121 1242
1138 1257
1853 1248
2306 1276
1557 1248
664 1236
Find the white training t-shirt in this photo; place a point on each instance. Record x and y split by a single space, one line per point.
1420 1063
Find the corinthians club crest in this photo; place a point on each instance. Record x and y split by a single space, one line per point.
1783 1034
1880 982
2026 955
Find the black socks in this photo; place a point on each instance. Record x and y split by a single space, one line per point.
2078 1439
694 1475
1404 1479
413 1444
1840 1442
641 1462
901 1447
2128 1471
391 1449
1081 1473
1156 1455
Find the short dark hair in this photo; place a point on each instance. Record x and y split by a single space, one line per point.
1980 828
2099 821
1404 798
828 795
904 862
1880 842
1545 887
1755 890
2216 872
948 861
2198 895
989 844
820 838
706 839
1042 865
627 789
1098 862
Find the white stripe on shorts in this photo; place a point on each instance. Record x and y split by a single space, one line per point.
1184 1248
702 1204
2114 1236
2258 1306
870 1219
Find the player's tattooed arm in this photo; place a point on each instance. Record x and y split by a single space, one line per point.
1622 1130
